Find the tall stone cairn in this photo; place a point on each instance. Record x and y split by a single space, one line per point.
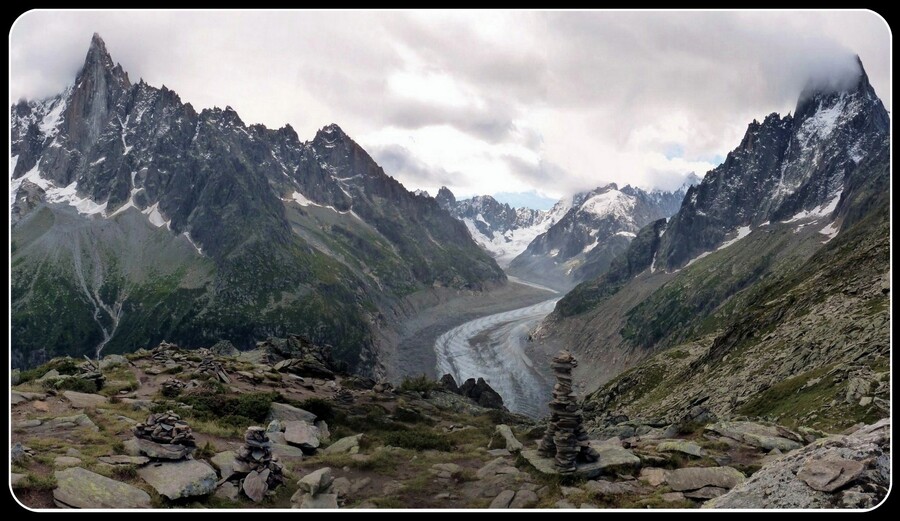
262 468
565 439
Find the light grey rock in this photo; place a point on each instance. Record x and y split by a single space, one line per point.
512 444
283 450
830 473
342 487
229 491
694 478
84 400
17 453
322 501
255 485
499 452
66 461
124 460
17 397
317 481
324 433
110 361
275 426
496 466
286 413
80 488
224 461
347 445
180 479
15 479
360 484
705 493
671 497
503 499
653 476
765 437
301 434
777 484
165 451
524 499
684 447
602 487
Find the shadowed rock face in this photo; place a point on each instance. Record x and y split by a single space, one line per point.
227 231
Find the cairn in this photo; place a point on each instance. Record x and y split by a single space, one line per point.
165 428
255 459
172 387
344 396
214 369
565 439
166 352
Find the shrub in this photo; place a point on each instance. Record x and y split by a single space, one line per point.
72 384
238 410
419 384
418 439
318 406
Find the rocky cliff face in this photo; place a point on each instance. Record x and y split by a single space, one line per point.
785 168
139 218
596 227
784 318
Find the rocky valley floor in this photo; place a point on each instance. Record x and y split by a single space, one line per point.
276 428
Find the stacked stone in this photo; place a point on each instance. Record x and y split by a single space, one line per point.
166 427
344 396
165 352
565 439
255 459
214 369
172 387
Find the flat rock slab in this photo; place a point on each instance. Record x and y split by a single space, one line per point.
165 451
121 459
829 474
503 499
512 444
180 479
80 488
224 461
524 499
612 464
316 482
66 461
695 478
17 397
653 476
283 450
348 445
286 413
301 434
15 479
322 501
765 437
705 493
83 400
684 447
601 487
256 485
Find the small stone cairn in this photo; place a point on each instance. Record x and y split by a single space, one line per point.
565 439
210 367
166 427
255 459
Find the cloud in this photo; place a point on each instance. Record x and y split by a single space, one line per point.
489 101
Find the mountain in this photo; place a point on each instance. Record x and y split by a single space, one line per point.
596 226
765 295
138 219
498 228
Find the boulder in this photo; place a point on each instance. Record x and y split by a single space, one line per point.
602 487
301 434
705 493
80 488
449 383
684 447
285 413
512 444
17 397
224 348
110 361
766 437
15 479
83 400
347 445
694 478
255 485
342 487
653 476
229 491
316 482
124 460
614 460
66 461
283 450
778 484
481 393
322 501
224 461
524 499
164 451
180 479
830 473
503 499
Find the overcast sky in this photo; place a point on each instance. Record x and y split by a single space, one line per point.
542 103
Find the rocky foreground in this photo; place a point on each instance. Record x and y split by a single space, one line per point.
280 427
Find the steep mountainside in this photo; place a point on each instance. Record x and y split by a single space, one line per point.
136 218
596 227
503 231
766 295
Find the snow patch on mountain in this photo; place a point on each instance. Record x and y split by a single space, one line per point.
612 203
